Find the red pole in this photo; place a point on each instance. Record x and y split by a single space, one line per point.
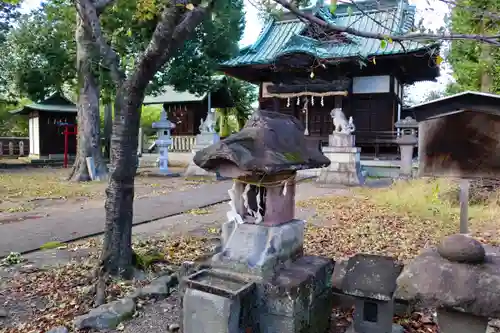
66 132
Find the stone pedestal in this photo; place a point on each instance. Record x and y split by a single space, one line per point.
292 292
345 167
406 143
203 140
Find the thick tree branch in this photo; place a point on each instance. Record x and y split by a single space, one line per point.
175 26
88 12
494 39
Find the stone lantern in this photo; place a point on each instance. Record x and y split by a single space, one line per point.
460 278
163 128
407 140
261 281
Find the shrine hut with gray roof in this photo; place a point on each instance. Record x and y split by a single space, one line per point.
46 135
305 71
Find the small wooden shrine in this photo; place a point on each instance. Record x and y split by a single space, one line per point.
187 110
46 134
306 71
459 135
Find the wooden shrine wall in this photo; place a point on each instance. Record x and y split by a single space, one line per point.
51 135
460 145
186 116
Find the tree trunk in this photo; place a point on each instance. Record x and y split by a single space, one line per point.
117 247
108 127
88 107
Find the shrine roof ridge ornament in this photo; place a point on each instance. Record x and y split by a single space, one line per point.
269 143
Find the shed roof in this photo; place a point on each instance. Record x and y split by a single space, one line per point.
54 103
282 37
464 101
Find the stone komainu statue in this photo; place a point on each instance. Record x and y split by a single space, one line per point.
340 122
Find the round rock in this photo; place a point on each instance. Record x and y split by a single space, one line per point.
461 248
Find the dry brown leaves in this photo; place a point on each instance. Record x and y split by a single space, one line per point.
42 299
350 225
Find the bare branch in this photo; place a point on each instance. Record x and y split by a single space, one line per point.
494 39
88 12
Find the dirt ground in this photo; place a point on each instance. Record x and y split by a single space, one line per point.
36 192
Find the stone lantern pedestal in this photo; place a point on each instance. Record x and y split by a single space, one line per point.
163 127
260 281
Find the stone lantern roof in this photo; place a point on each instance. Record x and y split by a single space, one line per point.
269 143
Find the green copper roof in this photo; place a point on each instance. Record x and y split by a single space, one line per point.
54 103
281 37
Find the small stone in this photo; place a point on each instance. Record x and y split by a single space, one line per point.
59 329
173 328
461 248
107 316
3 312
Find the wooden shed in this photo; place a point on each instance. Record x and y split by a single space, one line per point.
46 138
459 135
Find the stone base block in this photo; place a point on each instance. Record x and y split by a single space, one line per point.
345 167
260 250
341 140
299 299
203 140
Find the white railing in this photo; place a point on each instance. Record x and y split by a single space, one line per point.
182 143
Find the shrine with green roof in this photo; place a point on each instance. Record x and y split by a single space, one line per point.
306 71
45 133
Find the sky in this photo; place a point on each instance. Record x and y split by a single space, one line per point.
432 10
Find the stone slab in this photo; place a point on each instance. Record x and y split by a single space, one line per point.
261 250
341 140
208 313
330 150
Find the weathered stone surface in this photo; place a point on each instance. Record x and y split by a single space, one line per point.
434 281
345 166
371 276
204 312
159 287
450 321
461 248
258 148
341 140
107 316
59 329
396 328
261 250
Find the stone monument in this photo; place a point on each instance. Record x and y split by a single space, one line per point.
261 282
407 140
163 127
206 137
460 278
371 280
345 166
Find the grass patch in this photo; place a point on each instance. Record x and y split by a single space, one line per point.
52 245
397 221
199 211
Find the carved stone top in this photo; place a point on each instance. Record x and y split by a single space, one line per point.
208 124
458 274
164 123
408 122
340 122
269 143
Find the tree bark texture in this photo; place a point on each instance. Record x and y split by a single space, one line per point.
175 26
88 106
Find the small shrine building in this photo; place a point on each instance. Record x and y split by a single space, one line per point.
46 135
305 71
